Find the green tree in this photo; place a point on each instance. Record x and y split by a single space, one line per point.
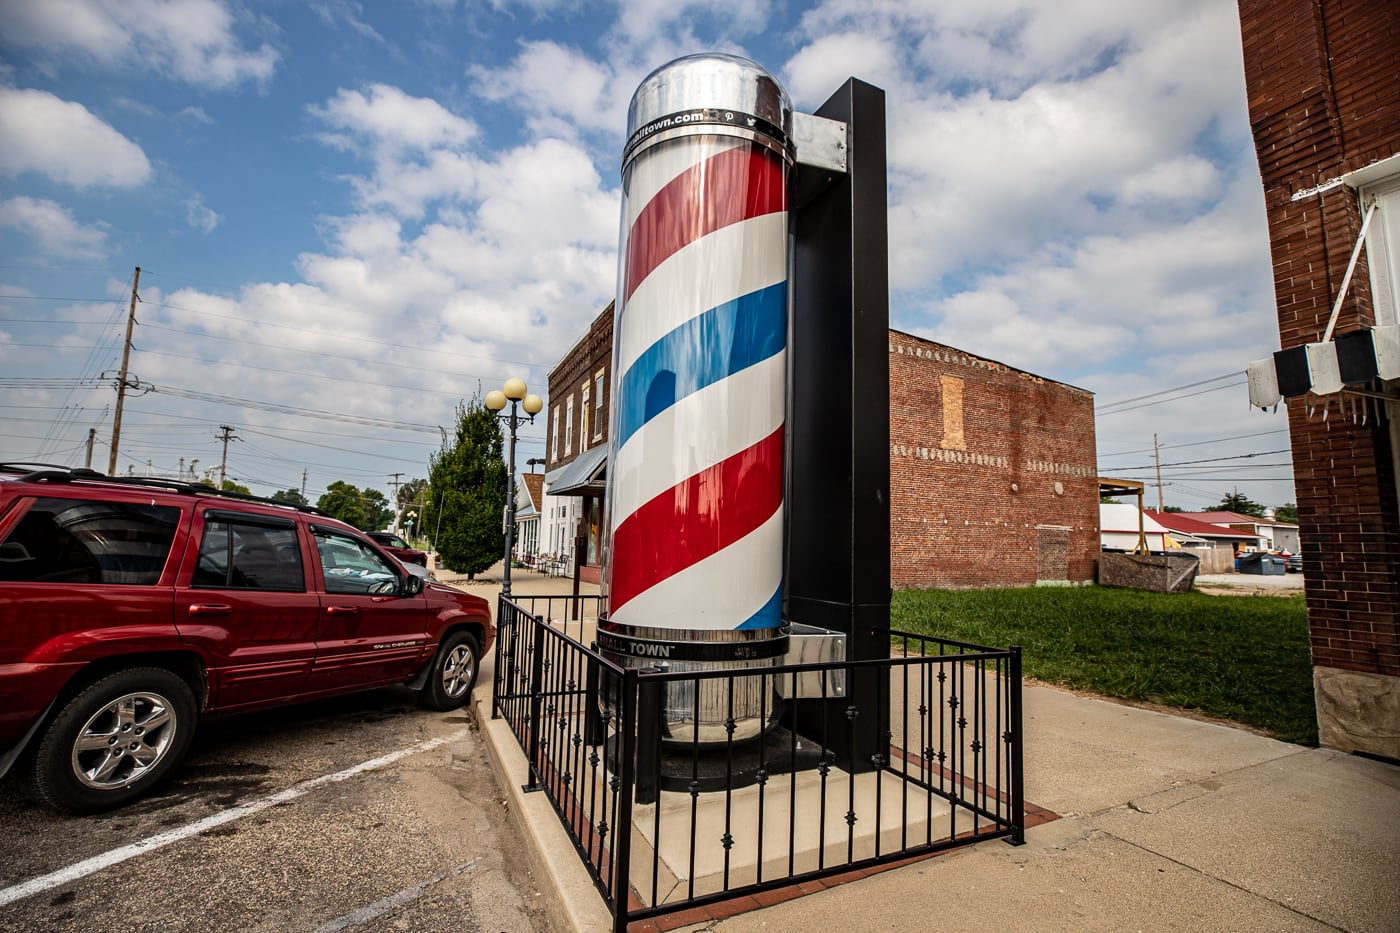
231 486
1172 508
1240 504
346 503
468 477
411 494
1287 513
289 496
380 513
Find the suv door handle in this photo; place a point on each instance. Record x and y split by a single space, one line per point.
342 610
209 609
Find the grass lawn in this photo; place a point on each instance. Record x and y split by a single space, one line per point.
1241 658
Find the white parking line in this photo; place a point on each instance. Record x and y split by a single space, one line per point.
383 906
115 856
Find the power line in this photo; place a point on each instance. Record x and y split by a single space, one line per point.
323 333
1216 440
1189 385
1101 413
291 410
1261 453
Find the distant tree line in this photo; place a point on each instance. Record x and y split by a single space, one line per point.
366 509
459 508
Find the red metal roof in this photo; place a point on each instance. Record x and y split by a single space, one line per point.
1182 522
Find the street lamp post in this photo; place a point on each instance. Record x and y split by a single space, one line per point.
514 392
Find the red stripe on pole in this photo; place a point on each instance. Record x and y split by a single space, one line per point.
735 185
696 518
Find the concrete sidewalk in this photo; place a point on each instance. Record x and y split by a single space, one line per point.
1166 823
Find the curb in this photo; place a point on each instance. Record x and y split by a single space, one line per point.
575 904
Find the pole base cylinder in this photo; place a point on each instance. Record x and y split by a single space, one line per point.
704 710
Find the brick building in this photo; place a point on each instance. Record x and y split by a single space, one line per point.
1324 105
992 470
576 444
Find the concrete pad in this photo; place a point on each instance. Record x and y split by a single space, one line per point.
817 836
1318 831
1085 755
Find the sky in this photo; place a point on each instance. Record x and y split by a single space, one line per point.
351 216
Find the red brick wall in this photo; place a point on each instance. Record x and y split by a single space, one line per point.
992 472
1324 100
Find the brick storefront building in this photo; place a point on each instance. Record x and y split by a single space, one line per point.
1324 104
992 470
576 436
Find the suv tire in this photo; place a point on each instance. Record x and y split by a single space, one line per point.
452 673
114 740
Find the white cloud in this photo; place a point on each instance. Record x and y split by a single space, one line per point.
393 122
549 80
1100 131
1187 178
1148 300
824 64
53 228
1005 45
191 40
642 23
66 142
200 217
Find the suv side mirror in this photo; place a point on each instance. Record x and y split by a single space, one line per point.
413 585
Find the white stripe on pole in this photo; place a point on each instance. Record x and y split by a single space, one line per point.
733 261
716 593
645 466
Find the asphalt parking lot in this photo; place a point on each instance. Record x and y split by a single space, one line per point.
363 812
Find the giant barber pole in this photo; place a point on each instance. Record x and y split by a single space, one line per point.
695 481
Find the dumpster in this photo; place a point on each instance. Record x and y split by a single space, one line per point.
1257 562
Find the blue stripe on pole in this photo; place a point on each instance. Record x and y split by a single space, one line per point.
770 616
709 347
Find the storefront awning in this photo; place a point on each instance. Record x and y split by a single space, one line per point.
583 477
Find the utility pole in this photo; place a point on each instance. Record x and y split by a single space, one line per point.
303 483
1157 455
223 463
121 379
394 502
92 437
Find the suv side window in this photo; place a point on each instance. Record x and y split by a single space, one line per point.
89 541
350 567
249 553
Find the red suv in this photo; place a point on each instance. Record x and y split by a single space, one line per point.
399 548
131 607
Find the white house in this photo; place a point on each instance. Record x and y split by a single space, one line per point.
1119 528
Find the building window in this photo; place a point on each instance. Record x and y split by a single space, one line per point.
583 418
554 436
1383 246
598 405
568 425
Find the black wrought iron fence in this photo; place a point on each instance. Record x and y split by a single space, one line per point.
862 763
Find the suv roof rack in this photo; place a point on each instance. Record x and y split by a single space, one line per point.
55 473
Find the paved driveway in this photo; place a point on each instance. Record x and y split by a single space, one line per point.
363 812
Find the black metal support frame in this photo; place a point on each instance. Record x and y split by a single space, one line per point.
948 771
837 574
